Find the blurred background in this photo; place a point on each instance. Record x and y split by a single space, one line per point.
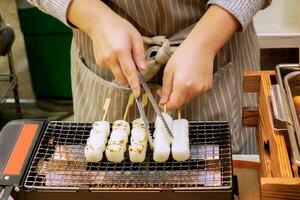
41 56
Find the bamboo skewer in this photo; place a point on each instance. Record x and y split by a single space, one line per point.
129 104
145 100
105 108
179 114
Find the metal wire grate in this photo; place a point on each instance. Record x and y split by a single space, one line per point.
59 163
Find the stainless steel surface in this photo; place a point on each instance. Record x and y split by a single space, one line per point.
144 118
280 108
59 163
153 103
292 86
282 72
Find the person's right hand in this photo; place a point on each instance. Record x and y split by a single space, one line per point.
117 44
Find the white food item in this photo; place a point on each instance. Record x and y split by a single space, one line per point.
137 152
138 147
162 140
180 144
138 123
114 153
168 119
102 126
96 142
119 136
93 153
138 135
117 142
121 124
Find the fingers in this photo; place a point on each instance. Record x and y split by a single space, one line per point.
178 97
118 74
167 86
138 52
128 68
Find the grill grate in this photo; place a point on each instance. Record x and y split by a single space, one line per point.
59 163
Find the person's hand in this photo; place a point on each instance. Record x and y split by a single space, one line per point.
188 73
117 44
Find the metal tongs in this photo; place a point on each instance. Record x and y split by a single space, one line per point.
156 109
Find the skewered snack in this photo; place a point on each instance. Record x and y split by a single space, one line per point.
121 124
117 142
93 153
138 142
97 141
95 147
102 126
180 143
162 140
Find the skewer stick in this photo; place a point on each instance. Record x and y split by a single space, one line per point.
145 100
105 108
165 108
179 114
129 104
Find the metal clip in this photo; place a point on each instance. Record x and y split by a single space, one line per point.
280 109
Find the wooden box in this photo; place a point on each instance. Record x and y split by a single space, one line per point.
279 178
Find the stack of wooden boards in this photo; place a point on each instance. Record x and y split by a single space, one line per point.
279 178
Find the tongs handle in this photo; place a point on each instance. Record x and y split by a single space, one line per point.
154 104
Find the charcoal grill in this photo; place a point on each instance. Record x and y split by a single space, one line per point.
49 163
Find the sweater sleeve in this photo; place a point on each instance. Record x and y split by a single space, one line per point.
56 8
242 10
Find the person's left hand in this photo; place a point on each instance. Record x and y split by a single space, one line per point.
188 73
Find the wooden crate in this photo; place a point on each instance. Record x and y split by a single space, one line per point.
279 178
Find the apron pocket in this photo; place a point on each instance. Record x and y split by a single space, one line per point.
90 92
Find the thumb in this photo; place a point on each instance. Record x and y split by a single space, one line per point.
167 86
138 52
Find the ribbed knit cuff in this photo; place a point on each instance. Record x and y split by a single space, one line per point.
242 10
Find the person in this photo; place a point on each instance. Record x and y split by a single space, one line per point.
196 49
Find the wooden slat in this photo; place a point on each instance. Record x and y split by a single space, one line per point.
280 188
250 116
273 151
252 80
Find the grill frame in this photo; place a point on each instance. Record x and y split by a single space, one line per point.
83 129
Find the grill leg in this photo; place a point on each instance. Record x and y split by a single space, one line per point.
15 90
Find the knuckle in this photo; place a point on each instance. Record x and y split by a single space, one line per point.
121 81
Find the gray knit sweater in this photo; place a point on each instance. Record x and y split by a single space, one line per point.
243 10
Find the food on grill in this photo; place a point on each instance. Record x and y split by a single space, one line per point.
93 153
138 142
162 140
121 124
115 152
102 126
118 141
97 138
97 141
180 143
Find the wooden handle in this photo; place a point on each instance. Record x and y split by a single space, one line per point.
145 100
179 114
105 108
129 104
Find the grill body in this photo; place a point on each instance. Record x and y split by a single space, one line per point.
58 170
